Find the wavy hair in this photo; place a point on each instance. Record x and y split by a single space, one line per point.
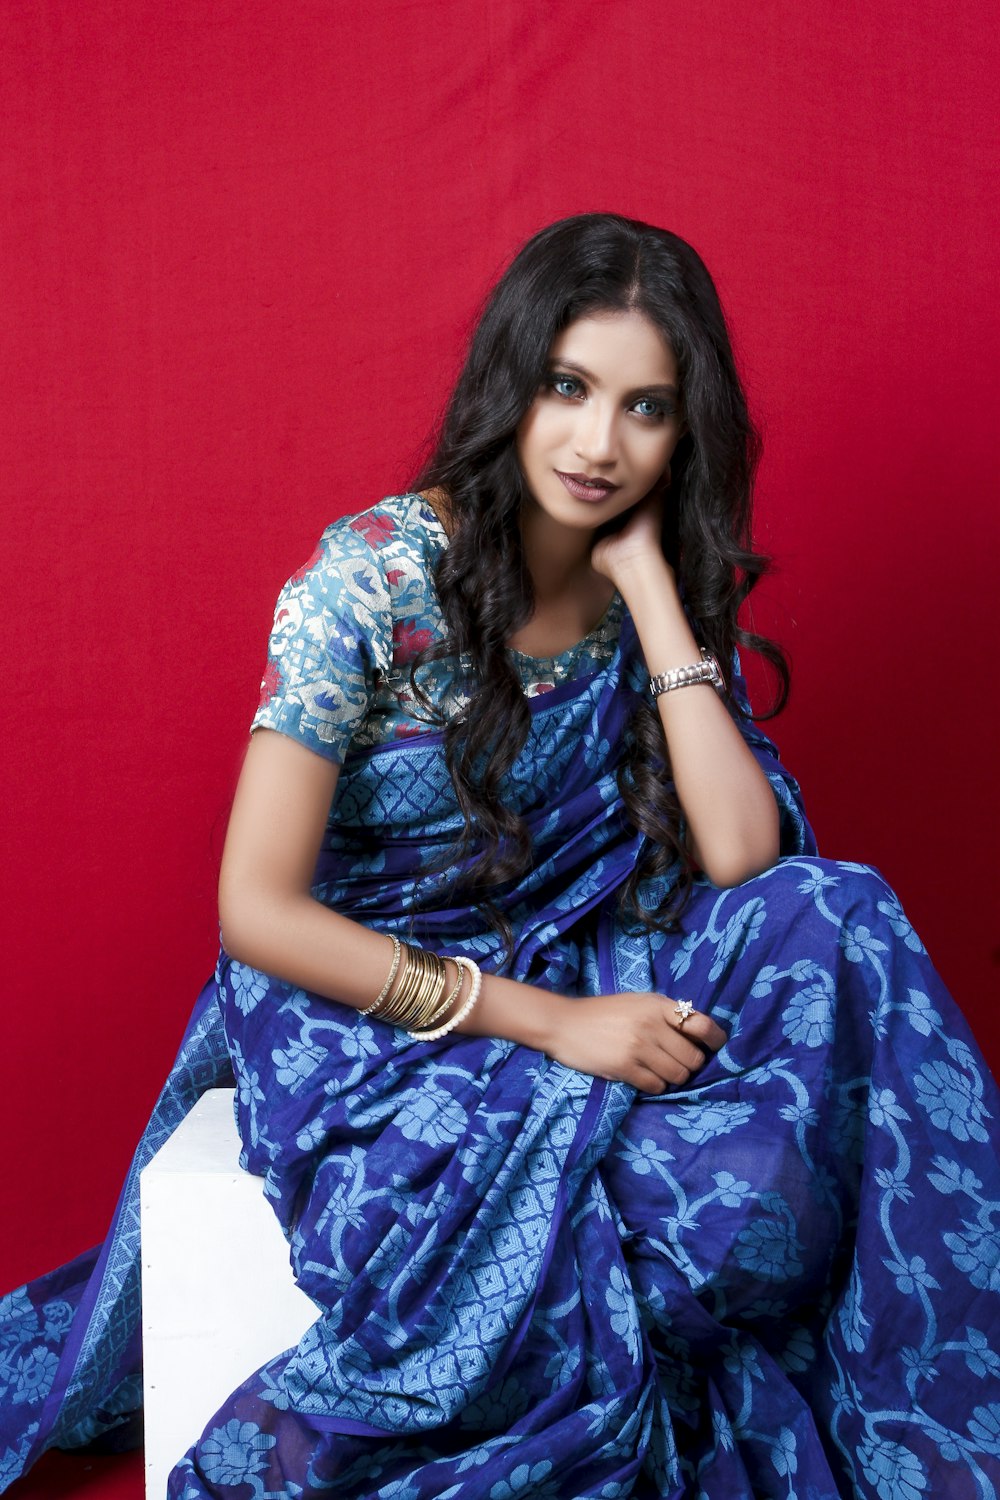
587 264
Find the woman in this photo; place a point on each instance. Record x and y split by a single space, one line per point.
626 1147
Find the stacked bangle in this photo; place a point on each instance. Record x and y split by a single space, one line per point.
421 998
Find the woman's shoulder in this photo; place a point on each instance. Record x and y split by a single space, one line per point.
405 524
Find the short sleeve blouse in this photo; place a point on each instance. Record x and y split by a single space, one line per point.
348 624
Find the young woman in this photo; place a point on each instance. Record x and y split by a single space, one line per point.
626 1146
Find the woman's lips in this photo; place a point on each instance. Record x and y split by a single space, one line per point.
582 488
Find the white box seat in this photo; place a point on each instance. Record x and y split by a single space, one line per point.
218 1298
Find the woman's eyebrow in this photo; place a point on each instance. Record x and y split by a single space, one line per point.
639 390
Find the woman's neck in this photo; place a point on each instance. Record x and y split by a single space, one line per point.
570 597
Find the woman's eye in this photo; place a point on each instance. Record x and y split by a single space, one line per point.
564 385
650 409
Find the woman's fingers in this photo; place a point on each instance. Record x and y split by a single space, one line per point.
694 1025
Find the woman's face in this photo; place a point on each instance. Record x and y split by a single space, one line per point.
600 432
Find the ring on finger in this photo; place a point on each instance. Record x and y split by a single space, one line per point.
683 1009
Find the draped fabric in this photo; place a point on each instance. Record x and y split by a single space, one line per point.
779 1280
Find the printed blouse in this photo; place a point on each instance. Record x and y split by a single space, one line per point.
348 624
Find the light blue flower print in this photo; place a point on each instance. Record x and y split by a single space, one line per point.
621 1300
799 1352
250 1091
854 1325
741 1357
900 925
732 1190
431 1115
231 1454
296 1062
737 935
18 1319
681 961
884 1106
860 943
770 1249
358 1041
982 1360
526 1483
952 1100
897 1473
310 1135
984 1427
34 1373
722 1431
643 1157
911 1274
248 985
952 1177
698 1123
808 1016
976 1251
783 1453
920 1012
58 1316
817 881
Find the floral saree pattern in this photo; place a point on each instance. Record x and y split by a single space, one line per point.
779 1280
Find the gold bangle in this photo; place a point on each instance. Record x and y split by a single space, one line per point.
419 989
463 1010
445 1006
396 948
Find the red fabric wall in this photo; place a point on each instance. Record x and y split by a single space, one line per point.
243 243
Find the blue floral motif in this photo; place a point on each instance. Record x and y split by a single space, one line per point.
952 1100
526 1483
816 881
296 1062
34 1373
643 1156
699 1122
976 1251
896 1472
769 1248
432 1115
860 943
248 985
18 1318
783 1453
984 1428
621 1299
808 1016
739 932
900 924
231 1454
920 1012
58 1317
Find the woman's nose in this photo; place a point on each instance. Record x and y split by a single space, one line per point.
597 434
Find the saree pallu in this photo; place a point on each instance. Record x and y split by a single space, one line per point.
780 1280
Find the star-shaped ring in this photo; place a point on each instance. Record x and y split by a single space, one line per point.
683 1009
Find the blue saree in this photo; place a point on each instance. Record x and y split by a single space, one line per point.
780 1280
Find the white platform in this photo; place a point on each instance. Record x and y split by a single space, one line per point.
218 1299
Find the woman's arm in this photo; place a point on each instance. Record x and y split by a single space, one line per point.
730 809
272 922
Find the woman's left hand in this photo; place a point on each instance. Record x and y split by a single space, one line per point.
637 543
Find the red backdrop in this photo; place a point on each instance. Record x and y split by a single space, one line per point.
244 242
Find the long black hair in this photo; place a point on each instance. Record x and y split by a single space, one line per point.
583 265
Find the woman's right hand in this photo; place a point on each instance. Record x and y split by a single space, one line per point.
637 1038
